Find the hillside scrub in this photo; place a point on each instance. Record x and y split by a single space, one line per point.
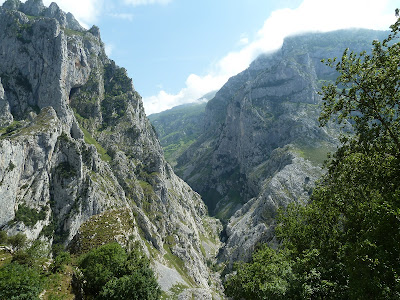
109 272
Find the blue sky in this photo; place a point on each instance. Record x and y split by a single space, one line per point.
178 50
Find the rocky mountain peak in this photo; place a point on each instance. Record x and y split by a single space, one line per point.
78 153
33 7
36 8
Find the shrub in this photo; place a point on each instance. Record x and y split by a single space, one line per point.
19 282
3 237
17 241
29 216
35 255
63 258
111 273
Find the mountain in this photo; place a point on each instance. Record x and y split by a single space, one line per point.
178 127
261 146
80 164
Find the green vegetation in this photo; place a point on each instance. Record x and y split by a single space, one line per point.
109 272
29 216
61 260
102 229
178 128
266 277
17 242
345 243
71 32
86 99
20 282
24 31
174 291
174 150
317 155
11 129
178 264
117 81
117 85
90 140
43 122
148 190
20 274
106 272
66 170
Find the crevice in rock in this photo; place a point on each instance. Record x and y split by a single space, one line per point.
73 92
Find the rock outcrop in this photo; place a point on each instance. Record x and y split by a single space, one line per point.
80 163
261 146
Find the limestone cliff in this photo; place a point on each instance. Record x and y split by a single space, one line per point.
261 146
79 162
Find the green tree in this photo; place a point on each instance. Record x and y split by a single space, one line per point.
3 237
258 280
20 282
60 261
111 273
17 241
354 218
34 256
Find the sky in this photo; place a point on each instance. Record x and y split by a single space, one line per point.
176 51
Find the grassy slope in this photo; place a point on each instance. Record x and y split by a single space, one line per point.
178 128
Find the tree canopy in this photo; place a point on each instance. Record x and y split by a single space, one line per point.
109 272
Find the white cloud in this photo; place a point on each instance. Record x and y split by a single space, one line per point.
146 2
122 16
311 15
244 40
196 87
85 11
109 49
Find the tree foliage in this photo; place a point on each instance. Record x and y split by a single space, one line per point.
17 241
345 243
258 280
20 282
109 272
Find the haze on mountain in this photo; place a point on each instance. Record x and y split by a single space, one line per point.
90 204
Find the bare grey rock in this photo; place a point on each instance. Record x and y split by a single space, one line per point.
55 12
82 155
33 7
6 117
261 147
11 4
73 24
254 223
195 294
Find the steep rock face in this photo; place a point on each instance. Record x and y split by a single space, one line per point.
79 162
261 146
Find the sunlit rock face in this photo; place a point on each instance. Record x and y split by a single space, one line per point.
261 146
79 157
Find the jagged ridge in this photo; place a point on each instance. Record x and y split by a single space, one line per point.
77 147
261 147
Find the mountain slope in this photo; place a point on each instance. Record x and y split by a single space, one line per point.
261 147
79 154
178 127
